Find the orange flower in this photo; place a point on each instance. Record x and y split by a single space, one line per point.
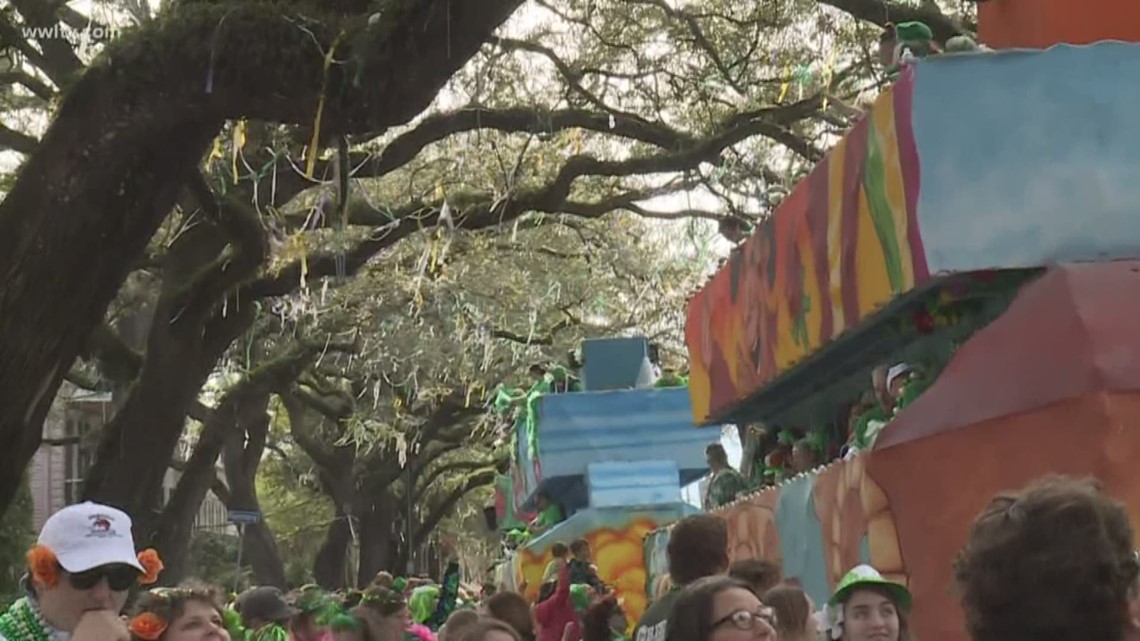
44 566
148 626
152 565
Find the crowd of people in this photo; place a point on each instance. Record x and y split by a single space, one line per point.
775 454
1054 561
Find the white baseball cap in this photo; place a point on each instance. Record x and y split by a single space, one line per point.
897 371
87 535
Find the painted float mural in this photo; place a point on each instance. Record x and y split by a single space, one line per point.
1063 398
615 537
818 525
970 162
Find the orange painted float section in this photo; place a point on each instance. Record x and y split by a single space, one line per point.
1039 24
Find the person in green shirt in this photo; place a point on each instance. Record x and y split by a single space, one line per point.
726 483
697 548
549 514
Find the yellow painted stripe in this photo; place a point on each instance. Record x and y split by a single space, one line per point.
874 285
835 196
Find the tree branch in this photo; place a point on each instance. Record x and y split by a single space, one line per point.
429 523
336 406
572 78
61 62
117 361
81 379
17 141
322 456
242 259
552 198
455 466
699 38
546 338
388 68
881 12
29 82
534 120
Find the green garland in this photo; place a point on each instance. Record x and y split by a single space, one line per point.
670 379
22 622
326 610
271 632
818 440
525 404
231 619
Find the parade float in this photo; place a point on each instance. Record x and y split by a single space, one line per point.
983 220
613 457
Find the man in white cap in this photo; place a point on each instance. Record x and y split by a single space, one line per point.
897 378
79 575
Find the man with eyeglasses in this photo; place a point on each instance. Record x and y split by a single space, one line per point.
79 575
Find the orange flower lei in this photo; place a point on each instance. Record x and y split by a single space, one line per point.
43 566
152 564
148 626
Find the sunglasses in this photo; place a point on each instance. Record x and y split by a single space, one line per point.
747 619
119 577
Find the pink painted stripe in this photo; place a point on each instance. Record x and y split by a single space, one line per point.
911 170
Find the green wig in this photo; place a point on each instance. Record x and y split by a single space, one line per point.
423 601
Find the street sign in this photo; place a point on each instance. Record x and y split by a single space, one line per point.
243 517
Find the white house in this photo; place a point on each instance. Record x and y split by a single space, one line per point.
71 436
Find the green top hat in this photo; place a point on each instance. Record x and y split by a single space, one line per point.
865 576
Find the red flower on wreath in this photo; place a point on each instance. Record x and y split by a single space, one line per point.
147 626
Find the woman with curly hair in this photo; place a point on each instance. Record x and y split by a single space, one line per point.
192 612
1055 561
720 608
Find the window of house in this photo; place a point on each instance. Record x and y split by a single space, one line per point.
77 457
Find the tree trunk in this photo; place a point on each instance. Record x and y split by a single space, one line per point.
235 414
82 210
242 411
328 567
376 530
242 456
260 549
189 332
138 443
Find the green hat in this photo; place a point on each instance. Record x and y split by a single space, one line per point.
913 32
866 576
580 596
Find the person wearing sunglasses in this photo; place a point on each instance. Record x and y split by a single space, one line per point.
720 608
79 575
